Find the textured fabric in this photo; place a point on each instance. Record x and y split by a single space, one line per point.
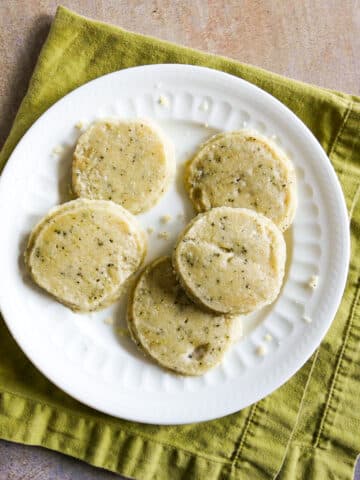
309 428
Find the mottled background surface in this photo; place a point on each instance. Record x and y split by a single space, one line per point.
317 41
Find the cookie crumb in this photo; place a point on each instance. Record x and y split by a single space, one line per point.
206 125
204 106
165 219
164 101
122 332
58 150
109 321
163 235
268 337
80 125
261 351
313 281
150 230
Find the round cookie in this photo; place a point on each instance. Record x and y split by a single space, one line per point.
243 169
170 328
83 251
231 260
128 162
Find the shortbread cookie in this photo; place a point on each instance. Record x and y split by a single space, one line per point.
243 169
129 162
231 260
170 328
83 251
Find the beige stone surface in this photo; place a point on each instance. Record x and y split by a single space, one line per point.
316 41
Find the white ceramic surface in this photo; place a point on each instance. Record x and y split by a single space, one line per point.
82 354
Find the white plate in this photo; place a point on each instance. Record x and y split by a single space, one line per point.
81 353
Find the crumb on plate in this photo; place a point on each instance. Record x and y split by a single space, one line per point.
164 101
79 125
204 106
109 321
163 235
261 351
268 337
313 281
122 332
57 150
165 219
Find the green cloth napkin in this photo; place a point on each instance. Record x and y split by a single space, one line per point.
310 427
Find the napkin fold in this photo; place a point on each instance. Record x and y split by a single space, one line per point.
309 428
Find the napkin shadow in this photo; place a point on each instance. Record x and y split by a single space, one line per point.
19 77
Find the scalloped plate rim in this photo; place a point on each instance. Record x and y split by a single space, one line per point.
321 329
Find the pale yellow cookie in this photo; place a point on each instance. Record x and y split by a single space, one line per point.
231 260
83 251
170 328
129 162
243 169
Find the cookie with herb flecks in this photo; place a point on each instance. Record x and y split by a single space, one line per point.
243 169
178 334
231 260
83 251
129 162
